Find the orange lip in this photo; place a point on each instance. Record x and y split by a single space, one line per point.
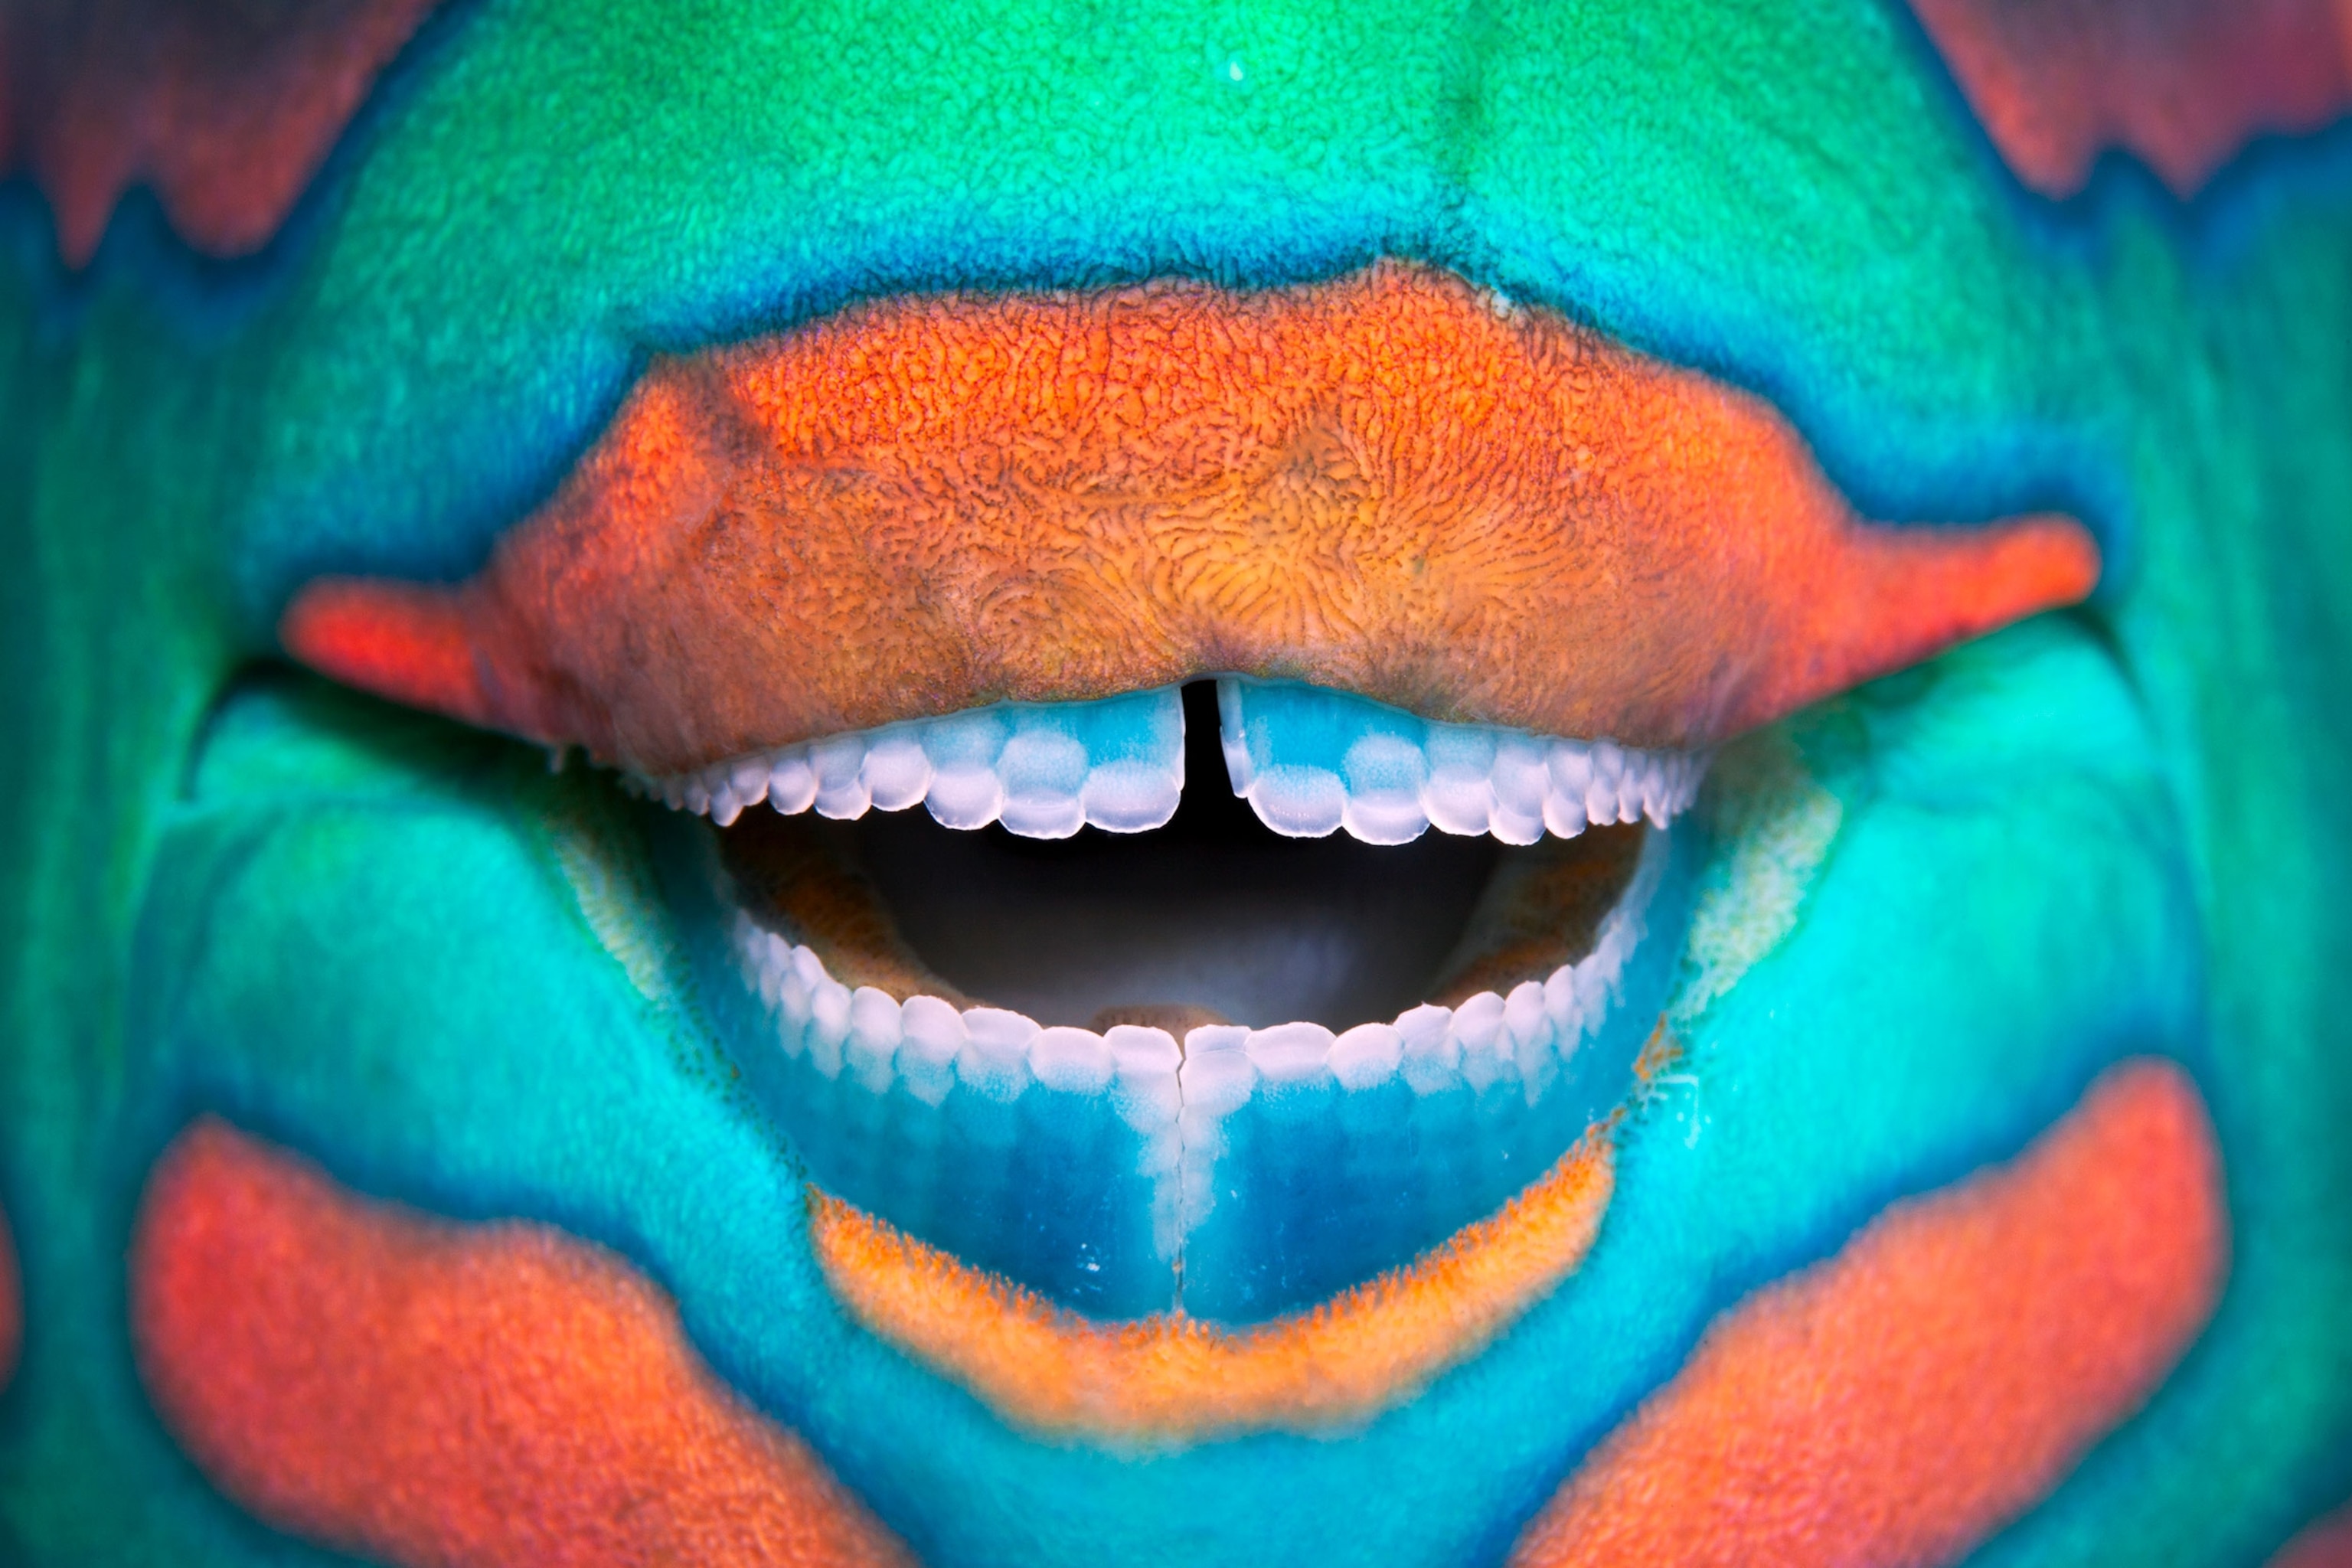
1390 483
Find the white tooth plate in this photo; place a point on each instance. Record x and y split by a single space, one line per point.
1312 761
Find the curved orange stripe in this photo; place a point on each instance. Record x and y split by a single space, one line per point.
1386 483
227 110
2182 83
1899 1402
429 1392
1170 1379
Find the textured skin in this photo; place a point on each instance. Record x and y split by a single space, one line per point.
1373 484
1939 907
423 1393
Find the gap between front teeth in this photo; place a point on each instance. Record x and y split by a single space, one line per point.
1309 760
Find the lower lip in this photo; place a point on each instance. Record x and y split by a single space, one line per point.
1247 1180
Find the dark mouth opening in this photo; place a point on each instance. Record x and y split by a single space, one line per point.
1211 918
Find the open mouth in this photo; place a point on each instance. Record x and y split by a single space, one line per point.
1465 594
1138 1039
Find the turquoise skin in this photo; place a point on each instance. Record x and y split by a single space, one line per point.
408 951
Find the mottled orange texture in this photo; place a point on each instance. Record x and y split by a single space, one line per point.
2181 83
1897 1403
422 1392
1388 483
227 110
1169 1379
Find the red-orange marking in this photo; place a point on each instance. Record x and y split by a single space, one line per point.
2326 1543
1897 1403
429 1392
1170 1379
225 109
1383 483
2182 83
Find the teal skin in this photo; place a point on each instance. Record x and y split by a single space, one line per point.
409 951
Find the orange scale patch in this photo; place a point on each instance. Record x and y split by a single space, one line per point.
424 1392
1898 1403
1385 483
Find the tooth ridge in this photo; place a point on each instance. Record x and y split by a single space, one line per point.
1527 1033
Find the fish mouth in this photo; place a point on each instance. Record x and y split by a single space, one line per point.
1220 1064
1451 564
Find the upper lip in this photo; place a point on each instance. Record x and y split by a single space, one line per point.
1390 483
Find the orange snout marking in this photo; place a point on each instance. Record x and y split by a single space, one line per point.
1387 483
1899 1402
426 1392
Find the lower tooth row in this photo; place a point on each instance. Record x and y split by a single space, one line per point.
1310 762
930 1048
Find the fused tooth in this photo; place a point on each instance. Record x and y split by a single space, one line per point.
792 780
1433 1052
994 1060
1044 774
1459 795
1384 774
1233 735
895 772
1072 1060
840 762
1601 789
1299 802
874 1035
1527 1029
1131 797
965 796
747 781
1478 1026
1145 1062
965 791
1287 1053
828 1026
1366 1055
931 1035
1216 1075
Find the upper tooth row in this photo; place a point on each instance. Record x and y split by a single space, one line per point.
1310 760
1043 770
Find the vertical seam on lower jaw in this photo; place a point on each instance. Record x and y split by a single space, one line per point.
931 1048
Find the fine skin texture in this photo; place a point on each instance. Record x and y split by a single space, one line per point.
933 505
425 1393
455 1000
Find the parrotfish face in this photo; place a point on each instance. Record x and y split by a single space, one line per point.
1011 783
